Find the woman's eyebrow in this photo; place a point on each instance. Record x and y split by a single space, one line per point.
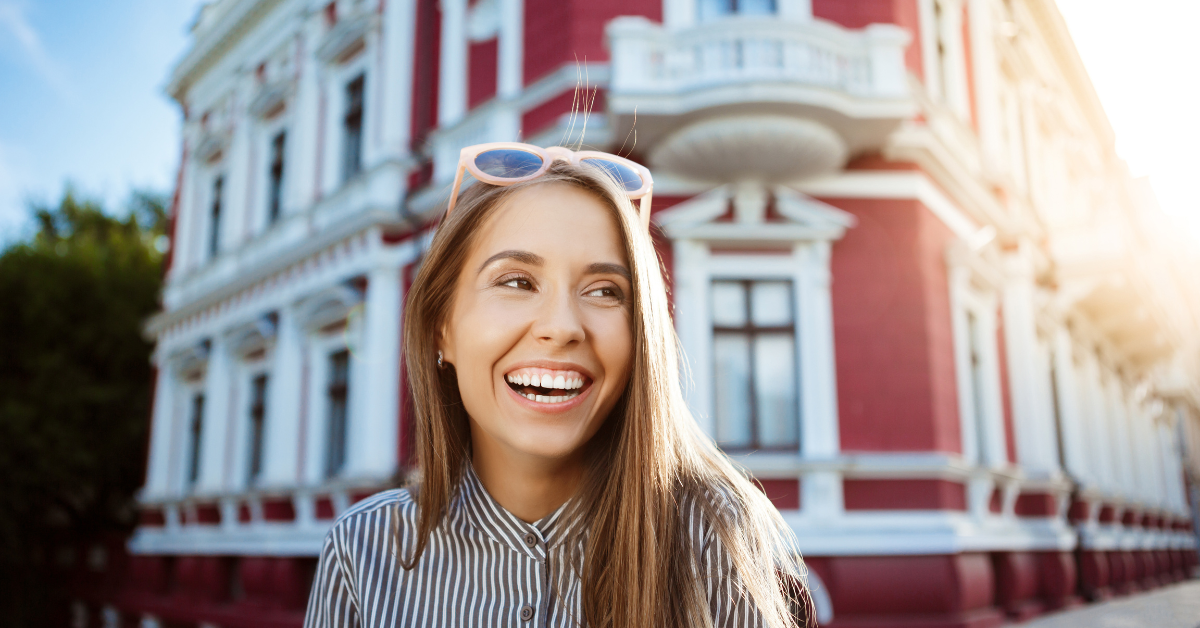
607 268
525 257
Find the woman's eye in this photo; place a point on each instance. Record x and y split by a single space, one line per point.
606 293
519 283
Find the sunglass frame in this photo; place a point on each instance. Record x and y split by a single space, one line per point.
467 156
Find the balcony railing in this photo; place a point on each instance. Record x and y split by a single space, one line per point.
650 59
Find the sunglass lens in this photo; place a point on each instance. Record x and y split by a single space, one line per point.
624 175
508 163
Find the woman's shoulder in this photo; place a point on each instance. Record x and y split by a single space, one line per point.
394 508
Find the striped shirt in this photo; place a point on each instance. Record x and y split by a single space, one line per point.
482 567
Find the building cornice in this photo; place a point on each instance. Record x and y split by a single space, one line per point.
1058 41
216 40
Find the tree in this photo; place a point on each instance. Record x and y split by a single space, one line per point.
75 387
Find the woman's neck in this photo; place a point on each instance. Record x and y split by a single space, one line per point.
528 487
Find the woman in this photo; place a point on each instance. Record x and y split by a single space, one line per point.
561 479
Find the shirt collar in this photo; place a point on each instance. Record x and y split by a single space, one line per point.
486 514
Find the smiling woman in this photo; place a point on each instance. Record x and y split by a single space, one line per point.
561 479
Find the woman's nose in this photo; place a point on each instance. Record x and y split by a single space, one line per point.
558 321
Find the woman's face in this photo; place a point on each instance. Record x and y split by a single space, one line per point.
540 333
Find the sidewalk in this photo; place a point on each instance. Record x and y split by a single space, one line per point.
1176 606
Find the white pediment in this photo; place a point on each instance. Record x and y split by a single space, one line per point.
738 213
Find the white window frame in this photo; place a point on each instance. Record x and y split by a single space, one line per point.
267 130
806 266
318 311
338 76
320 348
945 80
248 370
970 293
184 485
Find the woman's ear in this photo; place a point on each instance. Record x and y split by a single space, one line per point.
445 344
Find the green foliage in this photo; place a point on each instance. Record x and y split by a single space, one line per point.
75 380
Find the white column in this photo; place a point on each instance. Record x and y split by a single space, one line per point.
302 172
1120 407
452 80
818 363
693 325
397 78
986 75
957 95
237 168
798 10
510 77
218 385
180 242
1143 458
282 429
1069 396
158 471
374 427
1098 428
678 14
1020 341
1047 412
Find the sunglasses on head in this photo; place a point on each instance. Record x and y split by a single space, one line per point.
508 163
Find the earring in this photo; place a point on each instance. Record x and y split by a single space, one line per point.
441 364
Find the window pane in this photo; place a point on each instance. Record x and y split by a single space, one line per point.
712 9
756 7
196 430
728 304
731 360
771 303
339 374
775 390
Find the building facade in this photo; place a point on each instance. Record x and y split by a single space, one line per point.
923 302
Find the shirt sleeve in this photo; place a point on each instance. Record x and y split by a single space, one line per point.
331 603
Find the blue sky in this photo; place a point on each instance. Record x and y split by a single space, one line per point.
81 96
81 99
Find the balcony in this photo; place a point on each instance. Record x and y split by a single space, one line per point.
765 99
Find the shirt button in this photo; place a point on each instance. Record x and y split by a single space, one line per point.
526 613
530 539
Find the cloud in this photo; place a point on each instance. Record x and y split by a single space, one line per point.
14 22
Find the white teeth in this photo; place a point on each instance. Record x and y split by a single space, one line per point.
550 399
547 382
525 379
560 382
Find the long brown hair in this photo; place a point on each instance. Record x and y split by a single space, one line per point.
638 567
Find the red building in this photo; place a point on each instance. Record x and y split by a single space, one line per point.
923 301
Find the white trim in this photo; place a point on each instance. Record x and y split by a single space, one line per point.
967 300
893 185
452 79
510 74
319 348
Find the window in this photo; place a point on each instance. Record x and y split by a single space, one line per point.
339 380
197 422
275 178
353 129
214 234
258 413
715 9
754 359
